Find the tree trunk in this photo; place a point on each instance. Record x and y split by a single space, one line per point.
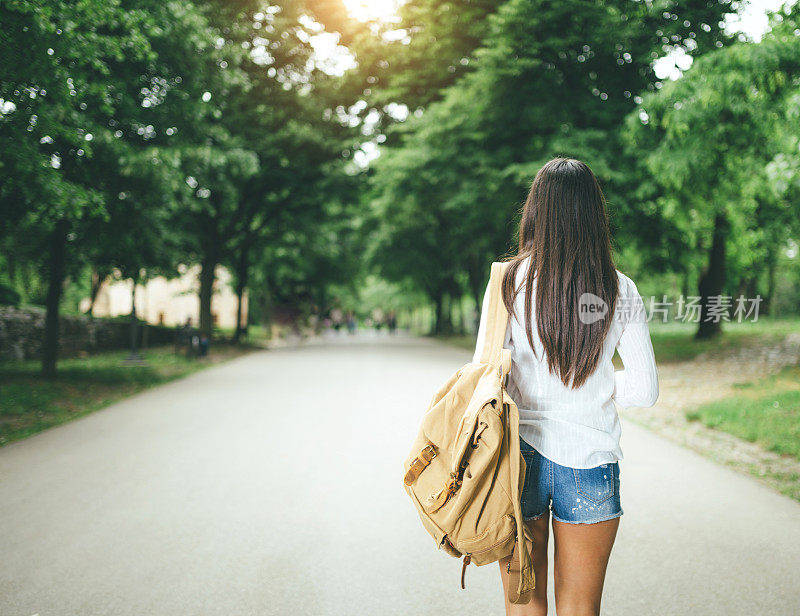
11 268
263 309
98 277
476 273
712 280
134 320
454 316
437 319
741 291
766 304
685 283
441 318
207 276
242 276
476 296
447 316
58 249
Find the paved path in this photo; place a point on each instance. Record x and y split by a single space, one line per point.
272 485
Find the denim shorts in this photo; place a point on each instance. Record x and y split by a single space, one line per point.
574 495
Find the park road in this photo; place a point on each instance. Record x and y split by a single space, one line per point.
272 484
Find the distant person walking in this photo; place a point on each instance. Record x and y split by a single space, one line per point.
377 318
351 322
564 383
337 318
391 321
186 338
205 344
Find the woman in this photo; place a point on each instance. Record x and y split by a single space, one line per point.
569 310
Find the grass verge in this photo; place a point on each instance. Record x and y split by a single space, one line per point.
766 412
674 342
30 404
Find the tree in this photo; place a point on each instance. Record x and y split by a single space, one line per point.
282 114
209 212
435 212
58 94
710 141
411 61
549 78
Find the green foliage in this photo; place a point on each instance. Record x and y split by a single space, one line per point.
414 61
59 92
547 78
8 296
140 134
715 144
147 134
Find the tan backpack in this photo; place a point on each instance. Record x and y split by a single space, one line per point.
465 472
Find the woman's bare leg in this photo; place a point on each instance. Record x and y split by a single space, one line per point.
540 531
581 557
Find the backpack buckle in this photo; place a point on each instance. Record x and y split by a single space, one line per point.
453 483
419 463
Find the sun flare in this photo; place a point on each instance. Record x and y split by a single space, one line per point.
373 9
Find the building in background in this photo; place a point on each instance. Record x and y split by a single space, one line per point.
162 301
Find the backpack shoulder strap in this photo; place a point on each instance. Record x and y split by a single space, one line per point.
522 579
496 320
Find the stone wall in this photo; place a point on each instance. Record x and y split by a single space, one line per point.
22 329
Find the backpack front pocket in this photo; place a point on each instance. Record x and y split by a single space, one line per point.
492 544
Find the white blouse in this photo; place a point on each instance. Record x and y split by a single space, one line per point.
580 427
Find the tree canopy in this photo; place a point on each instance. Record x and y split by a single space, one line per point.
315 154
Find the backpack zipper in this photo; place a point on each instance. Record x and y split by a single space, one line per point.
494 545
468 555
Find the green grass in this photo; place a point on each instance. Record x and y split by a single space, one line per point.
766 412
30 404
674 342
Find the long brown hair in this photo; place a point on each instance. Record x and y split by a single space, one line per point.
564 230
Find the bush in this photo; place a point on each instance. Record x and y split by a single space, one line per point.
8 296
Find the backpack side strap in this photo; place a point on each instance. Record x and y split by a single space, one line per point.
522 577
515 580
496 319
419 464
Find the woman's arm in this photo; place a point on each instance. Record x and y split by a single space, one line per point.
637 384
